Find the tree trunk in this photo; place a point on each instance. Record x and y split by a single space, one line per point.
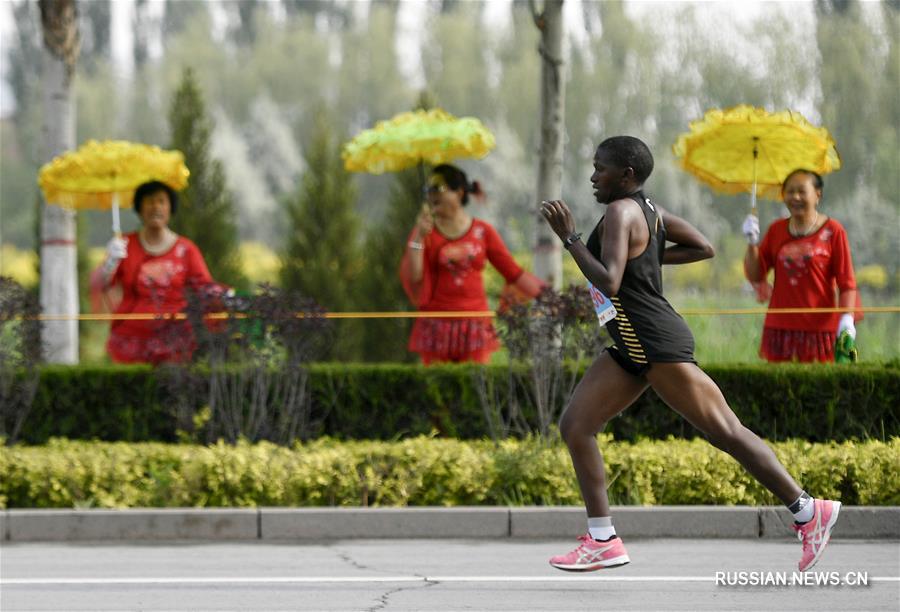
59 275
547 247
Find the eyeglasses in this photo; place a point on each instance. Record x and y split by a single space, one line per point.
434 189
436 184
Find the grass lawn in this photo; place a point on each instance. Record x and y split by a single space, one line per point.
735 338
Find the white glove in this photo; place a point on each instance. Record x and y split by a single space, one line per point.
847 324
750 229
116 251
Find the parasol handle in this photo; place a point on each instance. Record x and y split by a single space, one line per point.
116 225
753 190
421 167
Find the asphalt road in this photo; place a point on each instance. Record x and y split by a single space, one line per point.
394 575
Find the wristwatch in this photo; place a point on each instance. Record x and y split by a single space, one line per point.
571 239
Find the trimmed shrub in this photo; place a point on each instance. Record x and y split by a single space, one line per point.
424 471
99 402
372 402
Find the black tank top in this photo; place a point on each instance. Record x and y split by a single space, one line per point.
646 328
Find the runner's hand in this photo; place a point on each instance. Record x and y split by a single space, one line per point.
559 217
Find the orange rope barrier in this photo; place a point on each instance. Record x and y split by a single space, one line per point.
761 310
473 314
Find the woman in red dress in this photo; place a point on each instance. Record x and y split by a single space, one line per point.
810 254
442 268
148 271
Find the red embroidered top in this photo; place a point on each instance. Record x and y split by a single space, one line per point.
452 281
154 284
807 271
452 275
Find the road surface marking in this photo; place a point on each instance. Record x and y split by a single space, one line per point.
360 579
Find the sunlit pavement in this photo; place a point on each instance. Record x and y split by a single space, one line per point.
440 574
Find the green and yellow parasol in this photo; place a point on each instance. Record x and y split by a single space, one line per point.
418 137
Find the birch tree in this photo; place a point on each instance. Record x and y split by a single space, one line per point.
59 278
547 248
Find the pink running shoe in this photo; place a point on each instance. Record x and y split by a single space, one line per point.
815 534
592 555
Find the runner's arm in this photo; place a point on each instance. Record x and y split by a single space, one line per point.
605 275
690 245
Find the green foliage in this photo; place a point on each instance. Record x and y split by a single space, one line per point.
423 472
459 84
94 32
83 270
177 14
864 195
131 408
20 354
379 288
19 201
723 338
664 71
888 139
321 257
20 135
848 55
518 90
205 211
362 97
372 401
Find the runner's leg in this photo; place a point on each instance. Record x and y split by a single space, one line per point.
692 393
604 391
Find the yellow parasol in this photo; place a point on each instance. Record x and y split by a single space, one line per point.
747 149
101 174
423 136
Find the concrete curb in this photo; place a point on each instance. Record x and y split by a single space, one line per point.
312 523
140 524
650 522
882 522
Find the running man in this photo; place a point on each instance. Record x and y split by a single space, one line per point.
653 347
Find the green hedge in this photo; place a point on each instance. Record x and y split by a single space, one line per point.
359 401
424 471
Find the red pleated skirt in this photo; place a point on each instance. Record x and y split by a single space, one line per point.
454 340
152 342
797 345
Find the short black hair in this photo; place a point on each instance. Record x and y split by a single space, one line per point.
818 183
630 152
457 179
151 187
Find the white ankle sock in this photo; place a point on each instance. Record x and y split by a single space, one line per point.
806 505
601 527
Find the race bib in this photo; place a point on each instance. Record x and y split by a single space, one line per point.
606 312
